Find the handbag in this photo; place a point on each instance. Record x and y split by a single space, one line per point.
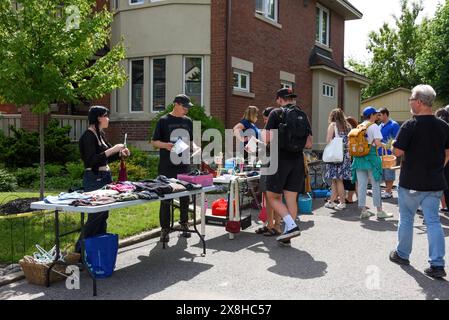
333 153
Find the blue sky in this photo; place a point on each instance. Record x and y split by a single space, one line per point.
375 13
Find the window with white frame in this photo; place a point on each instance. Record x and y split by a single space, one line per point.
158 83
133 2
193 79
268 9
287 85
242 81
136 85
328 90
322 25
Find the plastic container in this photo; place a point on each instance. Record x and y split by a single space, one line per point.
320 193
305 204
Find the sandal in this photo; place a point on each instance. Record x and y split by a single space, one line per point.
349 202
262 230
272 233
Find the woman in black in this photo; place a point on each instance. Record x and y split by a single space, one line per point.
96 153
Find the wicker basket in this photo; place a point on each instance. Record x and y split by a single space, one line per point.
388 161
37 273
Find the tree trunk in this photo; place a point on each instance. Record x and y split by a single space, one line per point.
42 156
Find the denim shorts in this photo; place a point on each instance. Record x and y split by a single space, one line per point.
389 175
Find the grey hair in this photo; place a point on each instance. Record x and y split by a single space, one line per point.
446 108
424 93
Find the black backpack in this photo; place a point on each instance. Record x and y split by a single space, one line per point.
293 129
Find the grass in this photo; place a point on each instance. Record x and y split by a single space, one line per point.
19 236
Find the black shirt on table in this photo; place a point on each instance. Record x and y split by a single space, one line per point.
424 139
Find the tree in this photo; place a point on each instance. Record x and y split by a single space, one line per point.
46 55
394 53
433 61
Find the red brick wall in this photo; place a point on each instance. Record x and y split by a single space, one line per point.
8 108
218 59
136 130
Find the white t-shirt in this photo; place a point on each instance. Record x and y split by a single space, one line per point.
373 132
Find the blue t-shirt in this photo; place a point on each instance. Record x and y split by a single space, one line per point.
389 131
249 125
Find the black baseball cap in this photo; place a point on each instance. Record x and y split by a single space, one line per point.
285 93
184 100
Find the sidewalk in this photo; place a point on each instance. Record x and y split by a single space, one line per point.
338 256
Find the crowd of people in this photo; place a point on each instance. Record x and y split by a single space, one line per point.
421 144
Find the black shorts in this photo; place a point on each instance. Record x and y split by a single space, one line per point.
349 186
289 177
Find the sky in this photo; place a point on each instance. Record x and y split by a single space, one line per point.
375 13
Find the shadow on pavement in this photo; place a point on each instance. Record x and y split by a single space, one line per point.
434 289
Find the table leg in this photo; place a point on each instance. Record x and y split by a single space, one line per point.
203 214
194 224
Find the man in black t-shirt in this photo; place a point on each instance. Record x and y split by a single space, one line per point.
169 130
424 144
289 179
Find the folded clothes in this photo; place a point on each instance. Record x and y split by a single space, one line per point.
122 197
65 198
156 186
102 193
122 187
98 201
188 185
177 187
147 195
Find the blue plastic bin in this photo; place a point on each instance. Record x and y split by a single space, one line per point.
101 254
321 193
305 204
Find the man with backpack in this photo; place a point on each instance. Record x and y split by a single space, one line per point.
367 165
295 134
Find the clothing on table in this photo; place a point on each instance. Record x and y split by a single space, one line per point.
122 187
147 195
177 187
127 196
187 185
340 171
94 202
424 140
156 186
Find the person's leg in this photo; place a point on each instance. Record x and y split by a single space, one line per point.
435 233
165 214
377 201
270 213
362 183
408 203
341 191
445 200
184 217
334 191
291 199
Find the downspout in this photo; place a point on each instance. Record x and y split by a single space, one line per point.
228 60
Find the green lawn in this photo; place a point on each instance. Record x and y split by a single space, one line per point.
18 236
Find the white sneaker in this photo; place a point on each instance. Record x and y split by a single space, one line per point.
340 206
384 215
329 205
369 193
386 195
366 214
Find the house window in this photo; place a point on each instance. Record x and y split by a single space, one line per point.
158 84
193 79
328 90
133 2
242 81
268 9
322 25
136 95
287 85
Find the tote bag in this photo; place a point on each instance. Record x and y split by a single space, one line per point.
333 153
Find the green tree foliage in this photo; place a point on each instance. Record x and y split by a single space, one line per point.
433 61
394 53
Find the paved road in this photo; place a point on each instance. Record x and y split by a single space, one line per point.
338 256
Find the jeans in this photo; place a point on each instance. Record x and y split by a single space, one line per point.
408 204
96 223
362 179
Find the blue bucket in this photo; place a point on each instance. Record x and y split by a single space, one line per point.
324 193
305 204
101 254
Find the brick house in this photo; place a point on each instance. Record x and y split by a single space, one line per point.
229 54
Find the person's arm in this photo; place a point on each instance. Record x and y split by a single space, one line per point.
330 132
92 158
447 157
238 128
162 145
309 142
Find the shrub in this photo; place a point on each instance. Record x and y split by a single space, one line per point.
8 182
75 170
63 183
27 176
135 173
53 170
138 157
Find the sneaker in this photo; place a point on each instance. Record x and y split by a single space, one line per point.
386 195
394 257
185 229
435 272
341 206
330 205
384 215
285 243
366 214
369 193
165 235
289 234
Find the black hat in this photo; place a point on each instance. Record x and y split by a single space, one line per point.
184 100
285 93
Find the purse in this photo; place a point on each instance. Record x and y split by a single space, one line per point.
333 153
